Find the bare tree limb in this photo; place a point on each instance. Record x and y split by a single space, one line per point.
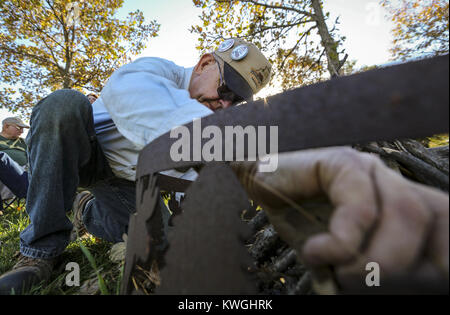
272 7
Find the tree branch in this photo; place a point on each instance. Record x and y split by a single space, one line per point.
296 45
28 55
33 25
423 171
262 30
272 7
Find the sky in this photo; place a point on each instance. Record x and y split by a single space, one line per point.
363 22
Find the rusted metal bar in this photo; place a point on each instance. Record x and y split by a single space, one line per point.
207 241
404 101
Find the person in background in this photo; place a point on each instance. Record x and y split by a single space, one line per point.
13 160
92 97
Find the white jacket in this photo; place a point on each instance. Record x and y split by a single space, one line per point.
141 101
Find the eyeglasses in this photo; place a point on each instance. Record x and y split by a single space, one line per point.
224 91
17 127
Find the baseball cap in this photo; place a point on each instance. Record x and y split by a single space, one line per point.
246 70
16 121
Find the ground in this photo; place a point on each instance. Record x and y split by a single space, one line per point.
98 276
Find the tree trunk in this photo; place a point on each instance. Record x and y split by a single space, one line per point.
334 64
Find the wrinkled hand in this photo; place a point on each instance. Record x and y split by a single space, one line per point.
379 216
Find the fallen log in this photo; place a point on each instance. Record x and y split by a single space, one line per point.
422 171
432 157
441 153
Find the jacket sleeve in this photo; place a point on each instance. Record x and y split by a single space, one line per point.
145 100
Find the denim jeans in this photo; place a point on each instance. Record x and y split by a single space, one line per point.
12 176
64 154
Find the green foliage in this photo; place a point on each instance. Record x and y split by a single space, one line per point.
421 27
91 254
12 222
47 45
101 282
287 31
437 140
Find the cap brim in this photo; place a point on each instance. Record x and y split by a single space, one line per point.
237 83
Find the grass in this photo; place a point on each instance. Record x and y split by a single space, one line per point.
98 274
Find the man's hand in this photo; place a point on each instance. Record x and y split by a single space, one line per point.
379 216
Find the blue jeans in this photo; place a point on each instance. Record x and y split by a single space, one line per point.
13 176
64 154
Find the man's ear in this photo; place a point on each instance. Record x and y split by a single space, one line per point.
204 61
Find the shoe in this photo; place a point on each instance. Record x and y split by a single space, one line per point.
27 273
79 204
118 251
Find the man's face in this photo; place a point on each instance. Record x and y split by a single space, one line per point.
13 131
205 83
92 98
